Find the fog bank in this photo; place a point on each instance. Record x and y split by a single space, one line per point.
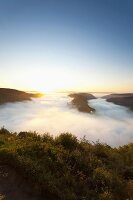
111 123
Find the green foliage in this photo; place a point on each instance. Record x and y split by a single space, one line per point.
66 168
4 131
67 140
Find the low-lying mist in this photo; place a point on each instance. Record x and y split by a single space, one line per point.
111 123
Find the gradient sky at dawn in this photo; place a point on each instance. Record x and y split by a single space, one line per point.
50 45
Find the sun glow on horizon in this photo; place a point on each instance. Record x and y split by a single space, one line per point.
63 79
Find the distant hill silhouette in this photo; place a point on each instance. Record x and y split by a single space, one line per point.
12 95
80 101
125 99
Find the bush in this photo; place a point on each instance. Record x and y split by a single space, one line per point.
66 168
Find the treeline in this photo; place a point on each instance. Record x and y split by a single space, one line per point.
65 168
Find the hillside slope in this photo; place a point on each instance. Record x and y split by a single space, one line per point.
125 99
65 168
80 102
12 95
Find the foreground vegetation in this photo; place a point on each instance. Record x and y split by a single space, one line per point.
66 168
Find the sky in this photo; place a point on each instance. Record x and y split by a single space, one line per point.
63 45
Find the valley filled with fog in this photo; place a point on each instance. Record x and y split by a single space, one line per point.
111 124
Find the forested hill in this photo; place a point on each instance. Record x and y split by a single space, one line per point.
80 101
12 95
125 99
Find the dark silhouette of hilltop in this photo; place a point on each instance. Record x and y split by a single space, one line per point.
125 99
12 95
80 101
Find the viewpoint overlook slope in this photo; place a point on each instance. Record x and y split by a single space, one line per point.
34 167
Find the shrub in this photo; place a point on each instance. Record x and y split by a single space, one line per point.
66 168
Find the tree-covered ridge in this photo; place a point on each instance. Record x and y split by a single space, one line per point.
66 168
80 101
12 95
125 99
